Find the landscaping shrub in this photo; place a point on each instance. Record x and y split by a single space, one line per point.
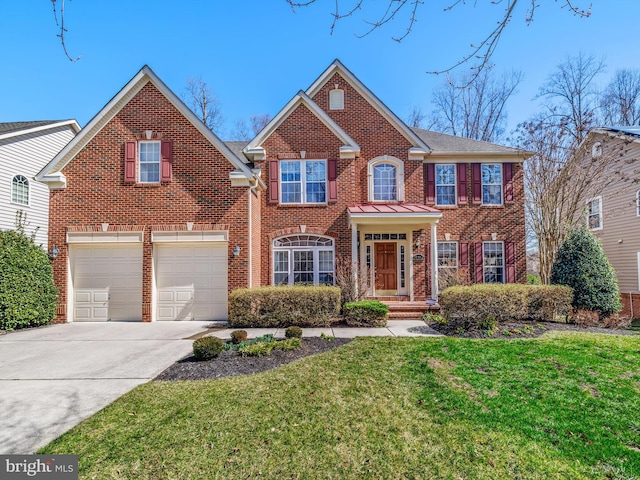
549 302
206 348
293 332
472 306
367 313
582 265
28 296
257 349
238 336
284 306
288 344
435 318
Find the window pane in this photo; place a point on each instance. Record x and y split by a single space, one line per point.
316 192
303 267
384 182
325 261
447 254
20 190
149 161
493 262
445 184
492 184
291 193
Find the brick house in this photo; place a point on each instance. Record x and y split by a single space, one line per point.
156 218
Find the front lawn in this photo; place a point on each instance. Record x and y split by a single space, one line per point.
561 406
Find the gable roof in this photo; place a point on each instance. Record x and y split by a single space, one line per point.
451 145
52 173
337 67
254 150
13 129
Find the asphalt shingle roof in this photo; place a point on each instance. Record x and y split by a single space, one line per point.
445 143
10 127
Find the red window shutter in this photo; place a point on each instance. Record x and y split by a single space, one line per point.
464 254
462 184
166 162
430 183
476 183
478 262
273 181
130 162
332 175
507 174
510 253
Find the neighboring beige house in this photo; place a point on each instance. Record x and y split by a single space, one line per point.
613 212
26 147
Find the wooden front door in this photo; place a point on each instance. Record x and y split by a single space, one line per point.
386 266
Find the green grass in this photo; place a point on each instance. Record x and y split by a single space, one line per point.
563 406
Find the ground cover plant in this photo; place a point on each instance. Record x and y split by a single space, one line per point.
560 406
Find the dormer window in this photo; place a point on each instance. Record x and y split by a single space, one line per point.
386 179
336 99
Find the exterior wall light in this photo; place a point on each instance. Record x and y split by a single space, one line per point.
236 250
53 254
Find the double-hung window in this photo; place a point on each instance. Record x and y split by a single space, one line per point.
149 162
491 184
20 190
303 259
384 182
447 254
594 213
445 184
303 181
493 262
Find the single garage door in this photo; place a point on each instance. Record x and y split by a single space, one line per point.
107 282
191 281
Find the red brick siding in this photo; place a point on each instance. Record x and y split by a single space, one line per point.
200 191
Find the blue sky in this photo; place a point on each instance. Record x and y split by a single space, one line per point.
255 55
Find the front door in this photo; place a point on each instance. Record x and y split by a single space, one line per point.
386 268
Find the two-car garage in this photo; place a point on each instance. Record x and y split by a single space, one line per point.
188 274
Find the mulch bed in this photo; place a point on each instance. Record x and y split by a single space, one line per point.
515 330
229 363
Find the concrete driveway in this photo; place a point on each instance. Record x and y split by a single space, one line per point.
52 378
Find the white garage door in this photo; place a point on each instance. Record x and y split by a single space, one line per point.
191 281
107 282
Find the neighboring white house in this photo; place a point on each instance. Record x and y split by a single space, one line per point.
25 148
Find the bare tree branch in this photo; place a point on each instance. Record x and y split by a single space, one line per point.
480 52
204 103
63 30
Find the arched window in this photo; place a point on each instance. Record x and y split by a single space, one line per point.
20 190
386 179
303 259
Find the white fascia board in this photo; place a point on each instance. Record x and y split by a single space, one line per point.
71 123
254 149
391 117
417 153
394 218
475 157
54 181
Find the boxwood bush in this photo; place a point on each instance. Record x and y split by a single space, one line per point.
366 313
28 296
206 348
284 306
474 304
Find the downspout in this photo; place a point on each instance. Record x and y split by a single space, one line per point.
252 190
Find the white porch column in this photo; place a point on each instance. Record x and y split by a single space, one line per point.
354 254
434 262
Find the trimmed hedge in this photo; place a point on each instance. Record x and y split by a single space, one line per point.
503 302
28 297
284 306
366 313
206 348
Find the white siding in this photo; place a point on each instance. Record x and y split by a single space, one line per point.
27 155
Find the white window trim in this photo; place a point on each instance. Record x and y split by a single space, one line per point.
316 249
482 184
638 203
139 165
601 226
596 150
485 266
396 162
28 191
455 184
456 250
303 181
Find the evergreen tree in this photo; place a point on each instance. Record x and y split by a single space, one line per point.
582 265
